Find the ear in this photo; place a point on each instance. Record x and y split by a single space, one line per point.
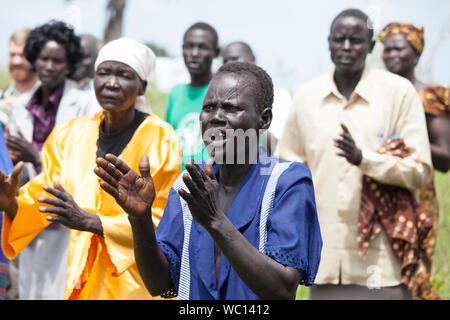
371 45
143 87
265 119
216 52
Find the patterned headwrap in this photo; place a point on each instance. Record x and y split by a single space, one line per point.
436 100
414 35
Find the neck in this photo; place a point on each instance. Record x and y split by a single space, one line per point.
115 121
200 80
411 76
27 85
347 82
233 174
47 92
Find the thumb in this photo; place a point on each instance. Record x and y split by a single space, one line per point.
344 127
6 133
20 133
209 169
58 185
144 166
17 170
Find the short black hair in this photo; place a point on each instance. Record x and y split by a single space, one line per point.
206 27
356 13
264 87
57 31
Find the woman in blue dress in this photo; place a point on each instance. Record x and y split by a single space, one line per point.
240 226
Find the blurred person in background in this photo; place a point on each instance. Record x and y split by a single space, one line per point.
53 50
363 134
24 79
185 101
242 52
84 70
403 46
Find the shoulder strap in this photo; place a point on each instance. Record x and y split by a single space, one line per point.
267 202
185 274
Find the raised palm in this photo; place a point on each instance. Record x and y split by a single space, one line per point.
134 193
9 185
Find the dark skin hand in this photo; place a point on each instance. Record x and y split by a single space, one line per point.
67 212
9 186
135 194
246 260
347 146
21 150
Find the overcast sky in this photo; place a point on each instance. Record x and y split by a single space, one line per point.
289 37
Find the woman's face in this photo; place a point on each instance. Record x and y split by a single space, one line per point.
51 64
117 86
398 55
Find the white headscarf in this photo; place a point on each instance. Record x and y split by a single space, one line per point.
134 54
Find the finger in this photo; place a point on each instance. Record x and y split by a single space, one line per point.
52 201
342 154
55 192
20 133
59 219
6 132
209 171
53 210
344 127
347 136
196 176
191 185
144 166
109 189
185 195
344 145
17 170
118 163
105 176
59 187
109 168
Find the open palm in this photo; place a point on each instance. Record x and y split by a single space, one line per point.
9 185
134 193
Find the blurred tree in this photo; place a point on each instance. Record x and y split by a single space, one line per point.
115 10
157 50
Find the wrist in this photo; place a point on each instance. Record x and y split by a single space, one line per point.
11 209
37 162
359 157
94 224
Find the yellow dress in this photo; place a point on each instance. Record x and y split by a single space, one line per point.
98 267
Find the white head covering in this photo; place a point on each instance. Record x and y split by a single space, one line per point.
134 54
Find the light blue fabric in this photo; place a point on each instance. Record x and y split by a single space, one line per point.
293 233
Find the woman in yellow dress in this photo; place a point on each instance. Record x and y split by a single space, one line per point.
101 262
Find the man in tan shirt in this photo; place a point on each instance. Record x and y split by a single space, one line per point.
337 123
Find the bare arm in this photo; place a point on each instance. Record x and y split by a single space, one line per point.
135 194
439 135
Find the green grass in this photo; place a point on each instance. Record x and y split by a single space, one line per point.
441 263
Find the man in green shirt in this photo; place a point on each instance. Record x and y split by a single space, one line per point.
200 47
